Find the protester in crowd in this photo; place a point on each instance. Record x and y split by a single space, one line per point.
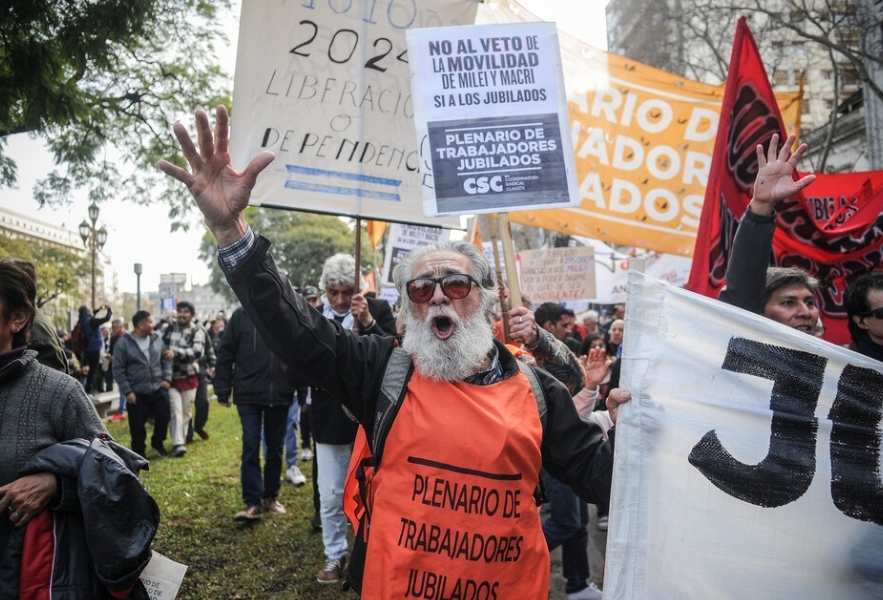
262 388
616 312
200 401
864 311
91 326
44 338
117 331
783 295
594 403
601 371
332 430
104 366
598 340
490 409
615 336
311 295
568 515
184 344
557 320
215 331
51 487
589 320
73 365
144 377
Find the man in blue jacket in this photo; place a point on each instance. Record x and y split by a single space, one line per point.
144 378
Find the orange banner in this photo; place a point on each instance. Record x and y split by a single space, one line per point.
643 140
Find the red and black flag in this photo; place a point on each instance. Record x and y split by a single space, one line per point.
834 229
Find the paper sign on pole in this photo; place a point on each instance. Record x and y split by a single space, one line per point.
490 102
324 84
558 274
402 239
748 461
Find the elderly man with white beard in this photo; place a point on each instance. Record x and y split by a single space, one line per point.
453 511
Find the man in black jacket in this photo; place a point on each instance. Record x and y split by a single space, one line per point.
262 391
333 431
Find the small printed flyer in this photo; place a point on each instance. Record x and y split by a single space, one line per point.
490 106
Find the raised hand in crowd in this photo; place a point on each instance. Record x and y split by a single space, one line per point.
775 175
221 192
596 364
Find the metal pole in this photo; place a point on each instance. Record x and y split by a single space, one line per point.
138 279
358 256
92 243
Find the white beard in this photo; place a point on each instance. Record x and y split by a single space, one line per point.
454 359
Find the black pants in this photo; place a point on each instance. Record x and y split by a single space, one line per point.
155 405
93 359
305 435
200 416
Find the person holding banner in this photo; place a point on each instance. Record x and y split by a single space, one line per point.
864 310
780 294
468 422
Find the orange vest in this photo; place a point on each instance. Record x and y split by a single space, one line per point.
453 510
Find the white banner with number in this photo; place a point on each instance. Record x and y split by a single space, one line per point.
324 84
748 462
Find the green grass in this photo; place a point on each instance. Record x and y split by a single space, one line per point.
277 557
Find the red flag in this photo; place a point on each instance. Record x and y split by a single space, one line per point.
833 230
749 116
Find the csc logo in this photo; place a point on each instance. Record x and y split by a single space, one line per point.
483 185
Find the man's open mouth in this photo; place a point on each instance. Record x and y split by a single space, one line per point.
443 327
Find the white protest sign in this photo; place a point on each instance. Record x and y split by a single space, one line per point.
558 274
490 101
402 239
324 84
162 577
748 461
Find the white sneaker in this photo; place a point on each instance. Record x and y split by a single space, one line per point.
306 454
590 593
295 476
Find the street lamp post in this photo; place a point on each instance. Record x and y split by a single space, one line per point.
138 296
93 239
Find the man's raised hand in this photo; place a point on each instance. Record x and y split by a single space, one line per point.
775 175
221 193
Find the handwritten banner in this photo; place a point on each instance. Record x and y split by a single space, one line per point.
558 274
490 101
749 457
325 85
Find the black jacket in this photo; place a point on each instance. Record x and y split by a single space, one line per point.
748 262
351 367
329 424
248 369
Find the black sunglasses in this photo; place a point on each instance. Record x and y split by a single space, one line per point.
455 286
877 313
